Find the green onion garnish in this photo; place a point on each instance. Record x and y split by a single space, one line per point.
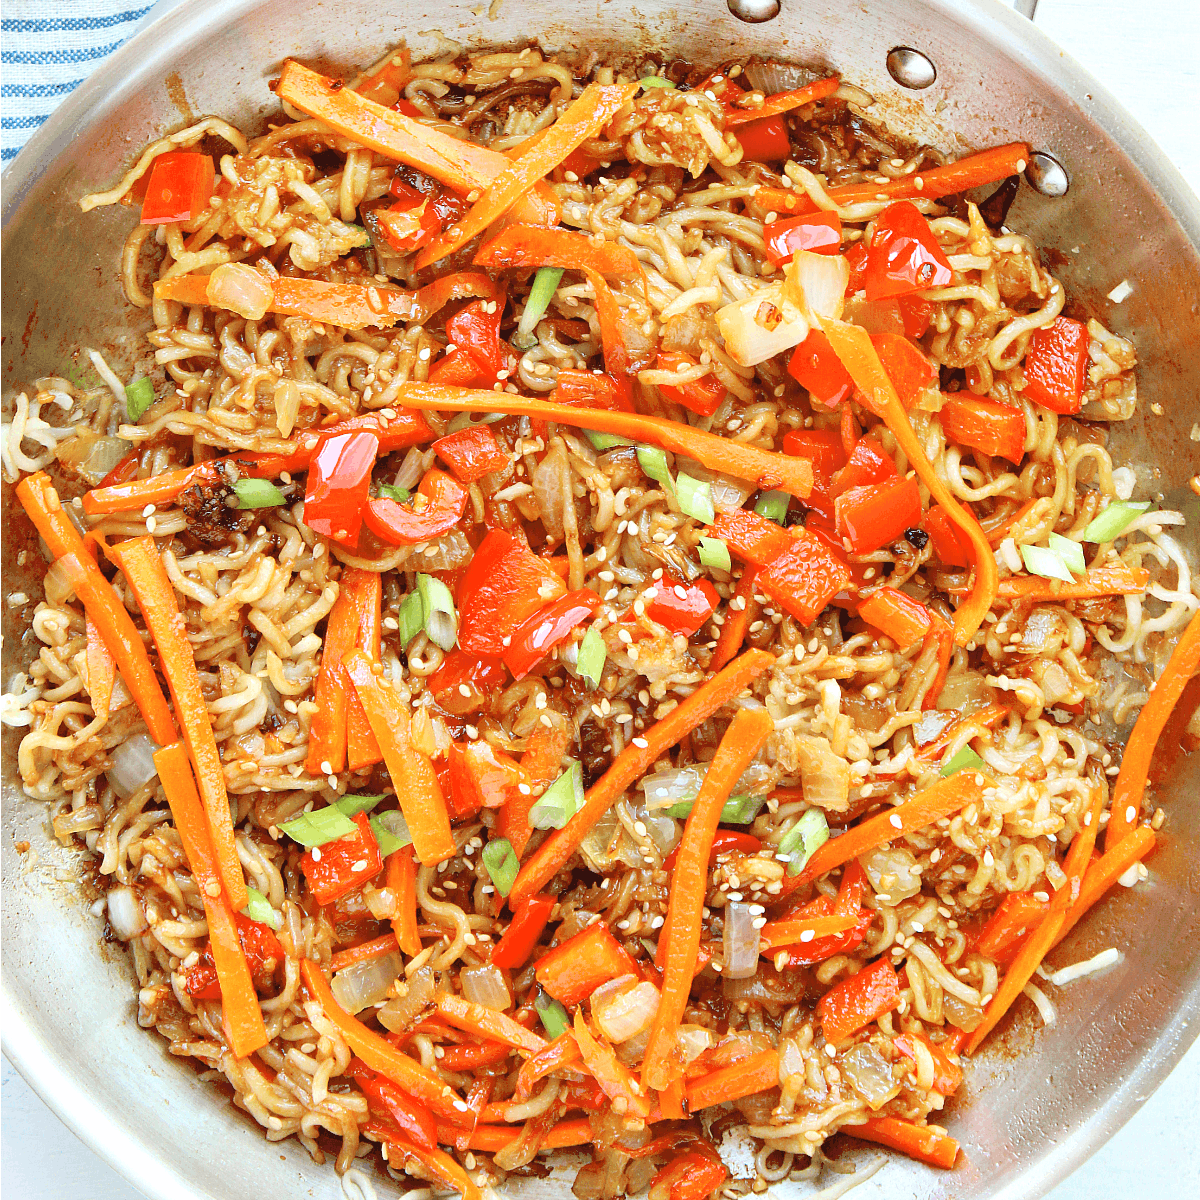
653 461
715 553
502 864
257 493
592 654
804 839
737 810
1046 563
139 395
965 760
391 492
773 506
1114 520
545 282
653 81
258 908
353 805
391 832
364 238
695 499
440 617
560 801
1069 551
411 618
605 441
316 828
554 1016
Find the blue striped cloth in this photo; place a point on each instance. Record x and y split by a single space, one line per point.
48 49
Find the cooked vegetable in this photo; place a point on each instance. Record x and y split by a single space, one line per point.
560 801
1055 365
1114 520
592 654
501 864
178 188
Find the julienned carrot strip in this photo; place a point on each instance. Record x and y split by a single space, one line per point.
737 620
764 468
782 102
1126 803
487 1023
614 1077
561 1053
239 1004
746 1077
1111 579
542 762
608 314
988 166
791 932
444 1169
1034 949
1105 872
853 346
379 1054
533 246
363 952
583 119
327 731
101 669
490 1138
139 561
41 504
747 731
402 879
926 1143
417 787
631 764
362 747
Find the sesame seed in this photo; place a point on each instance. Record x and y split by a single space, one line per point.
640 743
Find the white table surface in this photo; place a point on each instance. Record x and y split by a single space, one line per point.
1146 54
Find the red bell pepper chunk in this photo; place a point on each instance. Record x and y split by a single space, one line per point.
693 1175
908 369
339 481
702 396
503 587
462 796
815 366
875 515
856 260
1017 916
344 865
494 776
915 314
519 939
805 578
471 453
476 329
682 607
818 233
950 546
263 954
573 970
725 841
823 448
855 1002
807 954
896 615
985 425
752 537
765 141
478 674
458 369
947 1076
589 389
124 471
868 463
1055 365
904 256
179 187
412 1118
409 223
402 525
547 628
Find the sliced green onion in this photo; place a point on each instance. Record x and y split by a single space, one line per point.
773 506
605 441
737 810
411 618
696 499
316 828
554 1016
502 864
391 492
1069 551
353 805
560 801
391 831
257 493
364 236
653 460
804 839
715 553
440 617
139 395
545 282
258 908
653 81
965 760
1114 520
1046 563
592 654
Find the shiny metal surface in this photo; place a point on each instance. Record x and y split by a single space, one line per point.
1036 1104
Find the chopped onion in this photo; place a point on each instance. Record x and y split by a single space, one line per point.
365 983
485 985
791 1060
286 398
447 553
869 1074
607 843
816 285
416 463
692 1041
125 915
965 691
623 1014
1055 682
90 455
550 477
1041 624
760 326
772 77
824 775
132 764
961 1014
892 871
740 942
727 494
56 586
243 289
663 831
930 724
414 995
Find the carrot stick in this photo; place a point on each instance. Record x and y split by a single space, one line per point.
490 1138
631 764
608 313
139 561
1127 796
242 1015
764 468
561 1053
737 620
853 346
379 1054
41 503
614 1077
1111 579
670 1101
789 933
101 669
926 1143
327 732
542 762
583 119
362 748
988 166
402 879
444 1169
746 1077
1103 873
1034 949
461 165
364 952
416 784
747 731
533 246
782 102
487 1023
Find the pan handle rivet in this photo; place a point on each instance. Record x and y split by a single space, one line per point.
754 11
1046 175
910 68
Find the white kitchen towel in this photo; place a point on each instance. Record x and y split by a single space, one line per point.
48 49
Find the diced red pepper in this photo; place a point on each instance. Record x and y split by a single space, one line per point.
915 314
572 971
682 613
519 939
856 259
471 453
805 578
725 841
896 615
857 1001
462 796
1055 365
824 449
1017 916
909 370
179 187
344 865
458 369
547 628
818 233
590 389
479 674
505 584
765 141
815 366
947 1076
875 515
339 481
263 954
446 206
409 223
904 256
476 329
807 954
402 525
986 425
494 776
752 537
702 396
950 545
868 463
414 1120
693 1175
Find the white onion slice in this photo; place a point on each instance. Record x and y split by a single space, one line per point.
623 1014
485 985
132 765
366 983
740 944
125 916
760 326
816 285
